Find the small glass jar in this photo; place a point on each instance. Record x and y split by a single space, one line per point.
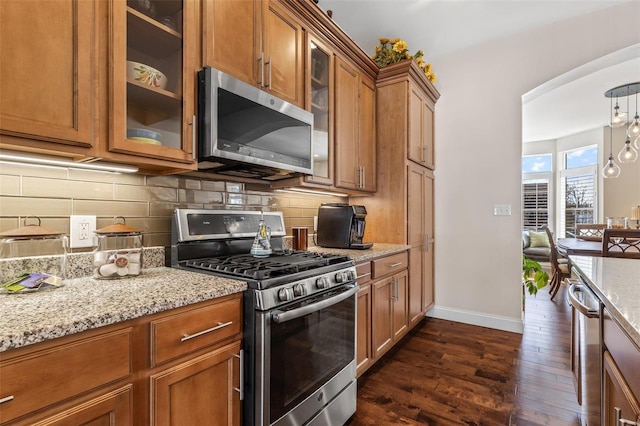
33 257
617 222
119 251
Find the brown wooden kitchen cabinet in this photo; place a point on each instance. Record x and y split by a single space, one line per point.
197 353
180 366
320 101
257 41
389 302
199 391
618 399
65 86
111 408
382 307
166 40
364 354
402 210
355 160
420 136
68 378
420 238
49 74
621 374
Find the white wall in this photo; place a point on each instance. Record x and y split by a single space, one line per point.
478 157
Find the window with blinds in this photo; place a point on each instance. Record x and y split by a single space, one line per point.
578 198
535 203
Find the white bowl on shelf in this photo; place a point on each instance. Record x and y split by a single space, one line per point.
146 75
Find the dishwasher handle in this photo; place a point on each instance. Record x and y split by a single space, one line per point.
575 302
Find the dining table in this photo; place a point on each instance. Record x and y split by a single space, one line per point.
579 247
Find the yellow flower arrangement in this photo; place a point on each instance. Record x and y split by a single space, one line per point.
390 51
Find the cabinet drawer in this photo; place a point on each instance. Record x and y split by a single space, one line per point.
389 265
191 330
363 270
45 377
625 354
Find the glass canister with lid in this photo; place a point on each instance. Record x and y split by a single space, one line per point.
119 251
33 257
617 222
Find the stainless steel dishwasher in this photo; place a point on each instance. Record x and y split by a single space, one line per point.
586 349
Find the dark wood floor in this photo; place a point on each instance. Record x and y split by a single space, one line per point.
448 373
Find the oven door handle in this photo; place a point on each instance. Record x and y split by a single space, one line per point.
281 316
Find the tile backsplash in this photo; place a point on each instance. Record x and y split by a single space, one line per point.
146 201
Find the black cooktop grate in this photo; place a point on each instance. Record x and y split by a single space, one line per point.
278 264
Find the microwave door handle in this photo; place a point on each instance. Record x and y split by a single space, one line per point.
281 317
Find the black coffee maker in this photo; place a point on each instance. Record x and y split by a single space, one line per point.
341 226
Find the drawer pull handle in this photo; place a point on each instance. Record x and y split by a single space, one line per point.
364 275
240 389
209 330
393 265
6 399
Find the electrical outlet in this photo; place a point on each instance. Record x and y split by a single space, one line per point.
82 230
502 209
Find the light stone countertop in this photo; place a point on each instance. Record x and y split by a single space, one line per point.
87 303
84 303
616 282
377 250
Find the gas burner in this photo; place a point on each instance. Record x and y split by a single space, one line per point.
278 264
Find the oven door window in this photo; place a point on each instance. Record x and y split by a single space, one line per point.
307 352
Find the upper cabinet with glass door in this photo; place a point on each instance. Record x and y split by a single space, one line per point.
154 64
320 103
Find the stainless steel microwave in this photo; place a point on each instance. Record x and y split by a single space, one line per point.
246 132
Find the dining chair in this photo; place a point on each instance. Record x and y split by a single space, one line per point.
621 243
590 231
560 266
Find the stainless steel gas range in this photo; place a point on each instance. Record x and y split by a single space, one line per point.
299 316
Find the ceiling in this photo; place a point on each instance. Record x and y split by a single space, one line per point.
566 105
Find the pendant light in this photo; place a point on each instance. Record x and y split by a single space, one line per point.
628 154
633 132
618 119
611 169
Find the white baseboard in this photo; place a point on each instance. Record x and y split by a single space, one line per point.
513 325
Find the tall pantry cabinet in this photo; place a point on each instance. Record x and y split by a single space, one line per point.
402 210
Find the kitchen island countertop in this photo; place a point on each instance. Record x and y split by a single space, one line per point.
616 282
377 250
87 303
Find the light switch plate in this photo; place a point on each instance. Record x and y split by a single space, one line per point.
82 228
502 209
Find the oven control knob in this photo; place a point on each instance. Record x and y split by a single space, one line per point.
351 275
285 294
299 290
322 282
341 277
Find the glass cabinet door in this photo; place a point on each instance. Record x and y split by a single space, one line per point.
320 103
153 102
